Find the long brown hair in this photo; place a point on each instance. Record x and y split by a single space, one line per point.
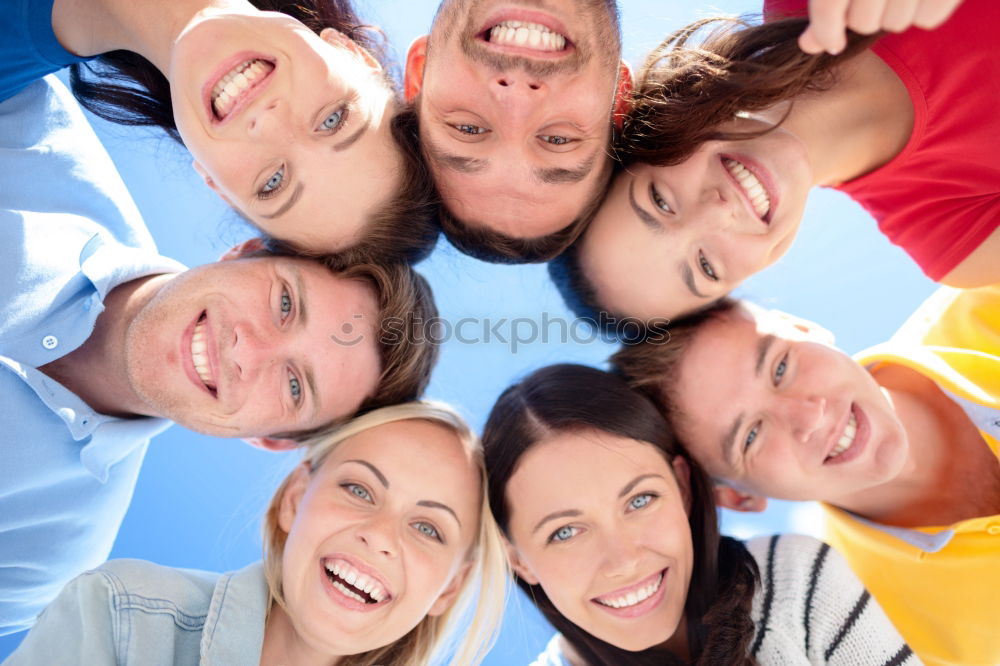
563 398
125 88
684 94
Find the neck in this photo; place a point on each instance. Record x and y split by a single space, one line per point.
147 27
949 474
283 645
857 125
96 371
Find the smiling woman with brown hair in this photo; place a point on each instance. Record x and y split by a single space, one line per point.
289 109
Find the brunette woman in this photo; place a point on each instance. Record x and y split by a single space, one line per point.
288 108
613 534
727 138
370 558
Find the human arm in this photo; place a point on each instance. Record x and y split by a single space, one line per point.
78 627
829 20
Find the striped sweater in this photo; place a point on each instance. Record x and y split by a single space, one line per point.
809 609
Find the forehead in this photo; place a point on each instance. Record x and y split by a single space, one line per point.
592 465
421 459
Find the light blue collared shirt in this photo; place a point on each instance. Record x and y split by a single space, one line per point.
136 612
69 234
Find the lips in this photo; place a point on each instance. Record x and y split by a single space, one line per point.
853 437
527 33
754 185
354 585
236 84
636 599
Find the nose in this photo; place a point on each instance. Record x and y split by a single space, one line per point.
380 534
252 351
620 556
268 118
803 415
517 91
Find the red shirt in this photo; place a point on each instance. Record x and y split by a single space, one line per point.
939 198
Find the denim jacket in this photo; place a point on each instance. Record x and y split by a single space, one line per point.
136 612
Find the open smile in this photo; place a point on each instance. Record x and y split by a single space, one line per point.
852 439
526 33
201 356
235 85
634 600
753 184
354 585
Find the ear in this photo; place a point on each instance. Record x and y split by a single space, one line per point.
413 78
518 565
682 473
289 504
797 328
730 498
337 38
266 443
623 95
245 249
205 176
447 597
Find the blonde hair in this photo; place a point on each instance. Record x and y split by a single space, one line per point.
469 627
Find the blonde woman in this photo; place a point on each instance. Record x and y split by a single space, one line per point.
375 549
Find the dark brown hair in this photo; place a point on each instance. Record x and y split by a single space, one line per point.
652 367
567 398
125 88
683 95
485 244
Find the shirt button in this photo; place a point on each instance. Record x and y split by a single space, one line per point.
993 529
50 342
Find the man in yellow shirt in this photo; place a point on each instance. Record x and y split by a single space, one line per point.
901 445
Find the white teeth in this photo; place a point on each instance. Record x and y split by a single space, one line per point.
634 597
198 356
751 186
242 77
846 439
533 35
353 583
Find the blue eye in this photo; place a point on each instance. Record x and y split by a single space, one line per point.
780 369
470 129
563 534
294 387
706 267
555 140
640 501
751 436
358 491
273 184
286 304
334 120
428 530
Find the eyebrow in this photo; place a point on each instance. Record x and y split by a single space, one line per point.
438 505
289 202
687 275
374 470
636 481
558 176
568 513
456 162
644 216
302 320
349 141
729 439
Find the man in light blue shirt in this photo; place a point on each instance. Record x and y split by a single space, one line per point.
103 342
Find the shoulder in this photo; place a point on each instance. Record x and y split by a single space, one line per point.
793 566
139 581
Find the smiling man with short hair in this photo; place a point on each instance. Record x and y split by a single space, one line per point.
103 342
899 443
515 100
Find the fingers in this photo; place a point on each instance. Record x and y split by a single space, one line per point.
827 25
932 13
898 14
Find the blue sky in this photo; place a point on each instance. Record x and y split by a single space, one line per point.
199 500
